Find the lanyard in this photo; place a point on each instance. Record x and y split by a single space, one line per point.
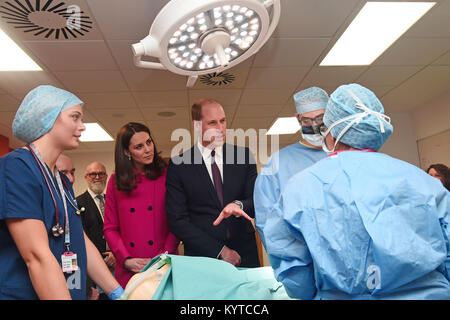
37 156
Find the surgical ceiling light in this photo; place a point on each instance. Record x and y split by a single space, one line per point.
284 125
196 37
376 27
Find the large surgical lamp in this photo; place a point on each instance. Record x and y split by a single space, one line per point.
195 37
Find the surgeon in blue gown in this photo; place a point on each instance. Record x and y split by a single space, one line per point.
310 105
360 224
32 196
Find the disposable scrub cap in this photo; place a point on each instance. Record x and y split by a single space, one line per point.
39 110
310 99
355 116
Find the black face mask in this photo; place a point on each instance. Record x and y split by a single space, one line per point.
312 129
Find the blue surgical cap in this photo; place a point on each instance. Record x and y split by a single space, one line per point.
368 131
310 99
39 109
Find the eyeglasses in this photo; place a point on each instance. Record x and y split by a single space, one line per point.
99 174
307 122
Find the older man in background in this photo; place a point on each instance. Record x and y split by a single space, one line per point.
92 206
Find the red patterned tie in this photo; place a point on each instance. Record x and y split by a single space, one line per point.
216 177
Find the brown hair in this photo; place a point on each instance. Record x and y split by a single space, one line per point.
444 171
125 177
196 109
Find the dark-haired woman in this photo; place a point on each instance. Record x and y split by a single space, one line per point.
135 216
441 172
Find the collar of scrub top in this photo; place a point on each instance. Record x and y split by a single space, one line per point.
37 156
334 154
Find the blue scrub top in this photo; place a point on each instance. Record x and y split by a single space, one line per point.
361 225
275 175
24 194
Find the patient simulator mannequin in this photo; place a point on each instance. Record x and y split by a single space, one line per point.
146 289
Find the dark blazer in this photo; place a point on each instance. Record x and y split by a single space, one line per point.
92 221
192 204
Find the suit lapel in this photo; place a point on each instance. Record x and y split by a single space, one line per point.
227 173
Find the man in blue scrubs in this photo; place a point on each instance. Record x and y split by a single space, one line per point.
310 105
360 224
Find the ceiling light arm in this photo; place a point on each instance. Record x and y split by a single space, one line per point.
276 13
147 47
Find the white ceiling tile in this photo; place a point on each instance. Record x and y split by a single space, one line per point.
414 51
230 111
288 110
154 80
331 76
276 78
107 100
435 23
279 52
387 75
123 54
223 96
257 111
312 18
121 20
253 123
157 114
48 21
21 82
443 60
266 96
92 81
430 82
161 98
73 55
133 113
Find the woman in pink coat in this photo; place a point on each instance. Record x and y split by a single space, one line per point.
135 216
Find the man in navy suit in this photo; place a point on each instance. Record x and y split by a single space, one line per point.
210 182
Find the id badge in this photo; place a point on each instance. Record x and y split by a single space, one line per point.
69 262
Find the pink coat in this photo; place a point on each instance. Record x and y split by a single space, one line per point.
136 224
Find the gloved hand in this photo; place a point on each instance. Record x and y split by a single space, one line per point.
116 293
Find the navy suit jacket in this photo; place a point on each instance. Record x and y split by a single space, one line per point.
192 204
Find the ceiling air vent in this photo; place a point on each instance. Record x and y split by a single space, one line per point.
217 79
46 19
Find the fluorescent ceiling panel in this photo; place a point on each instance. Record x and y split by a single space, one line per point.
376 27
94 132
13 58
284 125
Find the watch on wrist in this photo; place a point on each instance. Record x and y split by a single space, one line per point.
239 203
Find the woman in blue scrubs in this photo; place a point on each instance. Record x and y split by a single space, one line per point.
360 224
44 253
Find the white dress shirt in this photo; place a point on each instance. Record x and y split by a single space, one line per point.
206 154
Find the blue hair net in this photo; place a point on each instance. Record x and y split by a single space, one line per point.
367 131
310 99
39 109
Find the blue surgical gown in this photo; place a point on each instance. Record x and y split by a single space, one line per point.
274 176
361 225
24 194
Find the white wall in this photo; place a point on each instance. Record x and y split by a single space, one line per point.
82 160
432 118
431 123
402 143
